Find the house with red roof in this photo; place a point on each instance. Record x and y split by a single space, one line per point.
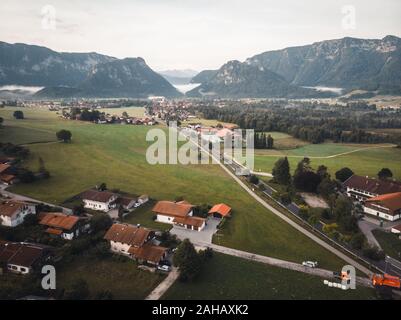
65 226
178 213
386 206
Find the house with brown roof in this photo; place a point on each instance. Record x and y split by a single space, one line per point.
386 206
6 174
135 242
220 210
65 226
13 213
22 258
361 188
178 213
99 200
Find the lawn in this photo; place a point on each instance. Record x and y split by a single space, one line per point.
121 277
20 135
115 154
144 216
227 277
367 161
132 111
389 243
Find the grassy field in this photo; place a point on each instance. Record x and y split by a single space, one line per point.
227 277
389 243
116 155
362 159
122 278
133 111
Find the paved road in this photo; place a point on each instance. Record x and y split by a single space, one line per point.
24 198
161 289
327 274
285 218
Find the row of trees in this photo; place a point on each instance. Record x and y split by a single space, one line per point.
263 141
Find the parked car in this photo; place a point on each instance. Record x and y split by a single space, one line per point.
164 267
165 263
310 264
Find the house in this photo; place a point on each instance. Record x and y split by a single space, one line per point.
178 213
22 258
6 174
13 213
126 203
386 206
220 210
99 200
361 188
396 229
65 226
135 242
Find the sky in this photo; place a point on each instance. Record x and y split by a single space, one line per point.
189 34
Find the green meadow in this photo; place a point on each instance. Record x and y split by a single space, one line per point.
115 154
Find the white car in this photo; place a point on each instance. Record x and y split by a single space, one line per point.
310 264
164 268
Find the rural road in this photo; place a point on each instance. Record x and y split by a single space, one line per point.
17 197
161 289
287 219
367 227
327 274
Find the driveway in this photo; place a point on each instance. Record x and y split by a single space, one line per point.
204 236
161 289
366 228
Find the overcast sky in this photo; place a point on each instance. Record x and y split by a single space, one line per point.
197 34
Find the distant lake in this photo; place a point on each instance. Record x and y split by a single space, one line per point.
184 88
327 89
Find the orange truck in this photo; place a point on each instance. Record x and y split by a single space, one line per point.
386 280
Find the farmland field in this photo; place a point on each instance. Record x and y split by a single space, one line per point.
132 111
227 277
115 154
362 159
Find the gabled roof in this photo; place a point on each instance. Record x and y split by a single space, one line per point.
170 208
391 201
128 234
21 254
148 252
4 167
58 220
375 186
220 208
125 201
191 221
10 207
98 196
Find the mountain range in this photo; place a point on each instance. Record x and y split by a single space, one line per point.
348 63
79 74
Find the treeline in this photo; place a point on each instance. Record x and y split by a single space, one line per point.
311 122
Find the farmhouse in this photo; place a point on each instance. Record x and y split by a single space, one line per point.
99 200
135 242
22 257
127 203
12 213
386 206
65 226
220 210
179 213
6 176
361 188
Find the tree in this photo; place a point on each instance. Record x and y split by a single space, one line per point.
125 114
305 178
64 135
102 186
281 171
344 174
384 174
270 142
18 114
326 187
1 121
100 222
357 241
253 179
42 169
187 260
